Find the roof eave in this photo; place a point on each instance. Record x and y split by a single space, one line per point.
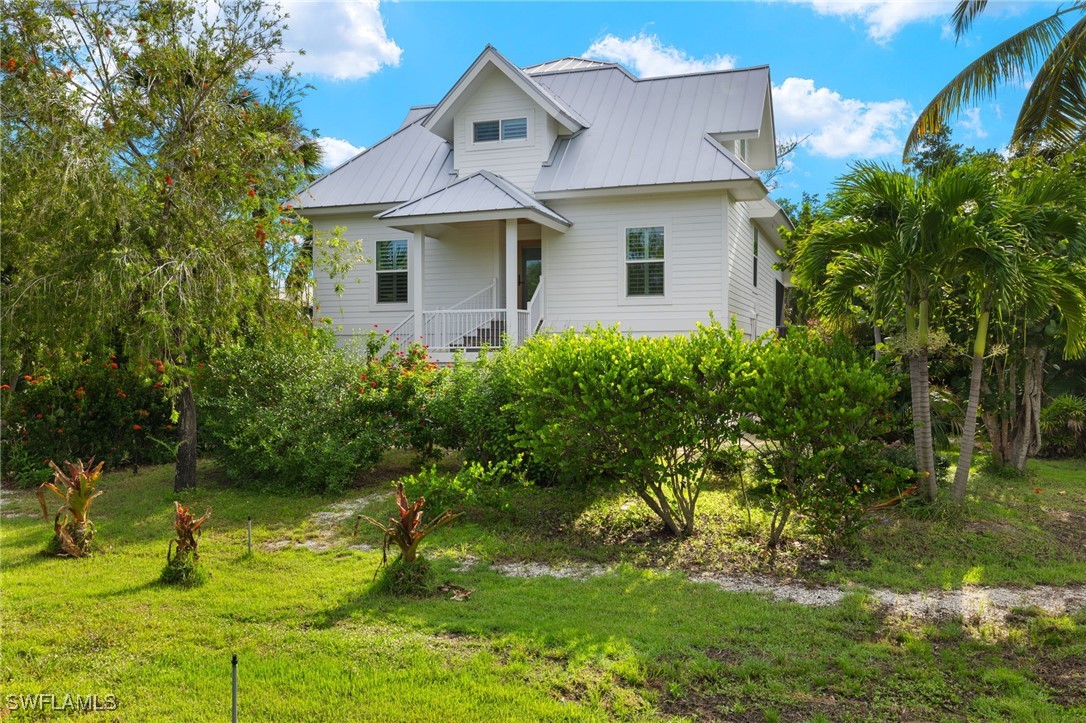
439 122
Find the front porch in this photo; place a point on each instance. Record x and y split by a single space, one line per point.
476 322
513 307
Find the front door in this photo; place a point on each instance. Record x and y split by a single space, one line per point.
528 273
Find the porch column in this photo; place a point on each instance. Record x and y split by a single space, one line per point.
512 317
415 257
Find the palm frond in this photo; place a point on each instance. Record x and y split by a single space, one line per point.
964 15
1055 106
1022 51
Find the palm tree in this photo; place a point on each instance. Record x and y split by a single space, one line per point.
885 247
1054 111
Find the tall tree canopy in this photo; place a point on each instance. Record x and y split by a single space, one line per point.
149 153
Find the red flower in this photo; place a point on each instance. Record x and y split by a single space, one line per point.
5 386
372 384
60 431
136 427
38 417
169 426
122 395
169 180
27 377
113 365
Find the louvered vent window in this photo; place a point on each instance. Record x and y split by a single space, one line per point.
507 129
392 272
645 261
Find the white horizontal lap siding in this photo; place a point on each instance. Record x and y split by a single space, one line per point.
460 264
766 302
585 268
518 161
742 296
456 267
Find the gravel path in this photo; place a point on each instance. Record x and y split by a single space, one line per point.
973 604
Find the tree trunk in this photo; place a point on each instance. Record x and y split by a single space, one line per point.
969 429
922 437
185 476
1027 423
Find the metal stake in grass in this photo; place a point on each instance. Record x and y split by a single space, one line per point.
250 536
234 689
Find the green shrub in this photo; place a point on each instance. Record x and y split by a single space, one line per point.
1063 426
298 412
100 407
646 413
474 485
813 408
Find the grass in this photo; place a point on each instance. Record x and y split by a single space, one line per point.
316 642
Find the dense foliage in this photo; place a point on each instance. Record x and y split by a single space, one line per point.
813 411
98 407
298 412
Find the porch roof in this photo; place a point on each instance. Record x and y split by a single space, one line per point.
481 196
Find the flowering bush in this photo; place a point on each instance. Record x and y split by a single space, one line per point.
300 412
99 406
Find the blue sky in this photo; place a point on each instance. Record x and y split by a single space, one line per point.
849 75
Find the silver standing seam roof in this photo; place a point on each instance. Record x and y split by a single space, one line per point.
637 132
481 191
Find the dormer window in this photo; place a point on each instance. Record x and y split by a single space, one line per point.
506 129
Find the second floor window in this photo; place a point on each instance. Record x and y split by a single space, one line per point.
507 129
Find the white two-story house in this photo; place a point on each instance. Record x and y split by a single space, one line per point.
560 195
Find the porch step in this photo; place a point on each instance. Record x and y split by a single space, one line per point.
486 335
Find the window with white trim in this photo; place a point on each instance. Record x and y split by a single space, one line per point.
645 261
505 129
392 272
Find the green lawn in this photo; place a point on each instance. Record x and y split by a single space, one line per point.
315 644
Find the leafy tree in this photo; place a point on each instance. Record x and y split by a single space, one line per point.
1054 111
152 158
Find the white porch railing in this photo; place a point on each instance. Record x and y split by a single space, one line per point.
402 332
529 319
463 328
485 299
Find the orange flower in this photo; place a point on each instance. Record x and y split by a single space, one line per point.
251 193
27 377
113 365
169 180
136 427
5 386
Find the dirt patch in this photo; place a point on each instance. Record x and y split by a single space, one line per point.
1066 679
14 503
1067 527
323 529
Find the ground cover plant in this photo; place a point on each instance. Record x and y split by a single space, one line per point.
306 625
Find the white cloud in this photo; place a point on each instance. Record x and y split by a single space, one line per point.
648 57
838 127
337 150
834 126
343 40
884 19
970 121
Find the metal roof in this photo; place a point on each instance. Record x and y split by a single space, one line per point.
481 191
410 163
567 63
415 114
653 131
635 133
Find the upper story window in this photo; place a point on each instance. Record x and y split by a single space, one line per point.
392 272
506 129
645 261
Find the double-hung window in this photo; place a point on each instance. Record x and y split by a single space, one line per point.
645 261
506 129
392 272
